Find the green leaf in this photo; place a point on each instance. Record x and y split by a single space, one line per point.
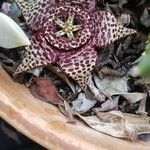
144 65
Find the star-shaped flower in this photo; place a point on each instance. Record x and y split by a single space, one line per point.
67 32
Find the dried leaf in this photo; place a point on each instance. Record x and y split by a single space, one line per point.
114 86
15 11
36 72
145 18
6 8
142 108
117 124
133 97
44 89
122 2
108 105
97 93
113 126
11 35
82 104
124 19
69 113
63 76
111 85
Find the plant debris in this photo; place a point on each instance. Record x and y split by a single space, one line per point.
117 124
113 99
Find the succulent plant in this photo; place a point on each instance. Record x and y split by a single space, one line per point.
11 35
68 32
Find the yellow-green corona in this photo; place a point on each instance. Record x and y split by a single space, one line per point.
67 27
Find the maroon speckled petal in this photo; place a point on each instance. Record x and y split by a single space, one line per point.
78 64
37 54
84 4
107 29
37 12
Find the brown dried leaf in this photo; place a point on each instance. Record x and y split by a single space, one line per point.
45 90
67 111
117 124
108 105
111 126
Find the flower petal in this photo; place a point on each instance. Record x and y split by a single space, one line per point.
108 29
35 12
37 54
85 4
78 64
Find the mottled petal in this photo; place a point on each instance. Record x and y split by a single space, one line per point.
107 29
84 4
37 54
36 12
78 64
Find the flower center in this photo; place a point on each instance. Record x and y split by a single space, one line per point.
67 27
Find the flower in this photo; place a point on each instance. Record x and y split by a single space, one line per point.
68 32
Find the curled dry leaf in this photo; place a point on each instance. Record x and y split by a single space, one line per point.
117 124
106 71
69 113
114 86
108 105
97 93
111 85
142 107
44 89
11 35
82 104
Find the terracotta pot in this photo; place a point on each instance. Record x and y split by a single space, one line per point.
44 123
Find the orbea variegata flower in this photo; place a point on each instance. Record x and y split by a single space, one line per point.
68 32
